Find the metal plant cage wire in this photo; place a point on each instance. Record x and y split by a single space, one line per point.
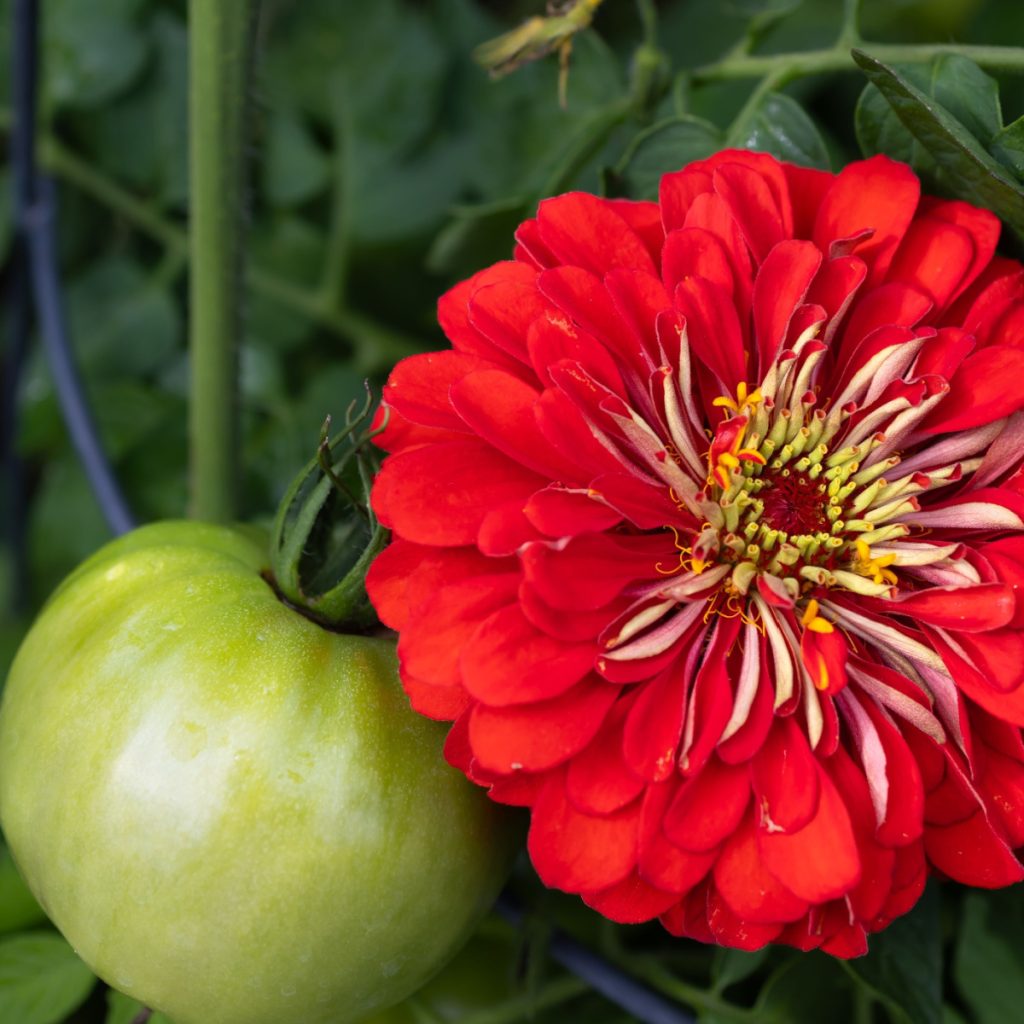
35 299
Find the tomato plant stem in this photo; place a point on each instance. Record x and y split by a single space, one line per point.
999 59
521 1007
222 41
676 988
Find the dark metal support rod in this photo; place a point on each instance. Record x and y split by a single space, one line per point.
66 379
35 213
12 470
19 304
612 982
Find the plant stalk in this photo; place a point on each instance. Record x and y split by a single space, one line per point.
998 59
222 42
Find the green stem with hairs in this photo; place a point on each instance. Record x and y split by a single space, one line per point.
790 66
647 969
222 38
523 1007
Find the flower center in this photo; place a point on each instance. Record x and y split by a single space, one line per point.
794 503
797 494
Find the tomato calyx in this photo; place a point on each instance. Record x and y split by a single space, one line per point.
325 533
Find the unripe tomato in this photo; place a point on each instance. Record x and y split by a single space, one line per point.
230 812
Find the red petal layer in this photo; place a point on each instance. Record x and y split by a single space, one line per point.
708 807
630 901
534 737
785 779
507 660
752 892
820 861
580 852
441 493
972 852
988 385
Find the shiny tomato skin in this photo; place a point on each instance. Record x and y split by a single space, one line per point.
230 812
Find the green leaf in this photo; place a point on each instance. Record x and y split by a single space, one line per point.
806 987
968 93
126 331
122 1009
968 169
1008 147
383 58
402 198
63 497
733 965
91 52
693 33
284 438
128 413
957 84
475 236
781 127
142 137
123 324
986 965
41 979
18 907
904 965
758 8
295 168
762 14
879 130
294 250
664 147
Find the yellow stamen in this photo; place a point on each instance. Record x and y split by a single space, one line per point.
822 681
813 621
744 401
679 503
874 568
730 461
694 565
731 608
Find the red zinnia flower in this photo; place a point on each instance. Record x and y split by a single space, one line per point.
708 539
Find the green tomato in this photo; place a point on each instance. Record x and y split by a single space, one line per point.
230 812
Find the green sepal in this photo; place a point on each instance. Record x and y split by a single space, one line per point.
325 534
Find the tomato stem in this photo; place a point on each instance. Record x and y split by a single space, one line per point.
325 534
222 44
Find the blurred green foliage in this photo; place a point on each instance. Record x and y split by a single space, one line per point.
385 166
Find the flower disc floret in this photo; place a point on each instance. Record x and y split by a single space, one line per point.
709 540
